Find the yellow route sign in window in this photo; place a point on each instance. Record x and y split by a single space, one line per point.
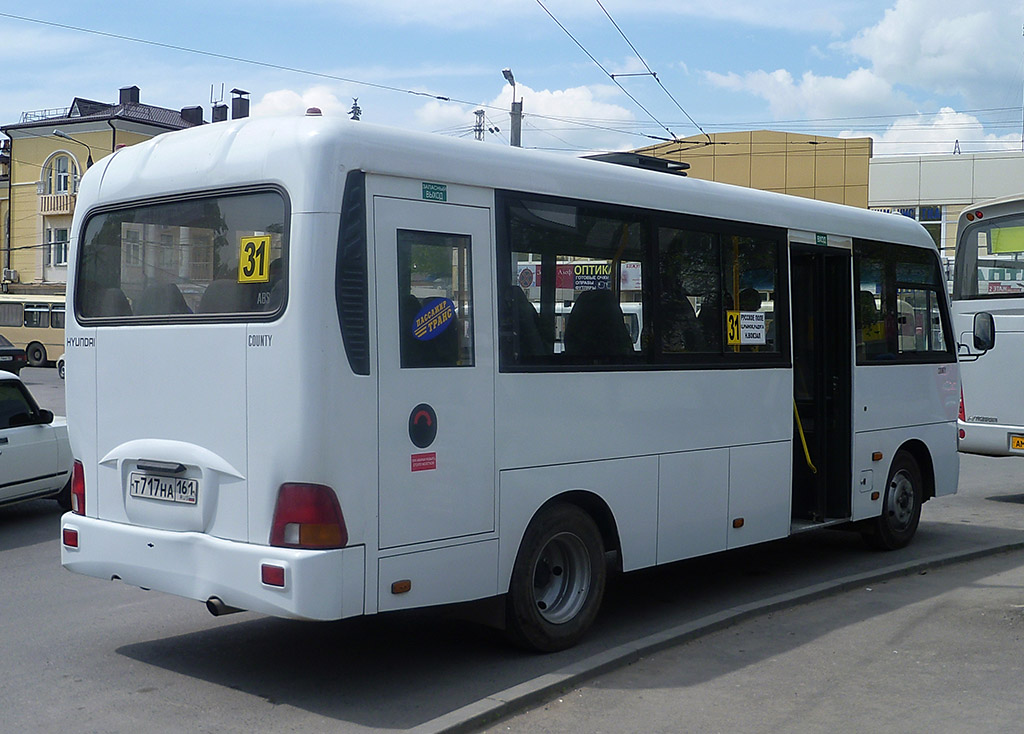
254 259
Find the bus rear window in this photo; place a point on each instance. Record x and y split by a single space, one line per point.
189 258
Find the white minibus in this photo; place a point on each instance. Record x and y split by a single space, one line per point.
305 379
988 285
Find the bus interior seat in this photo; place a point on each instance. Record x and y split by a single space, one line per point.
531 344
161 299
113 302
712 319
683 332
750 299
595 327
226 296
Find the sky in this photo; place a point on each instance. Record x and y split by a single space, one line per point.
918 76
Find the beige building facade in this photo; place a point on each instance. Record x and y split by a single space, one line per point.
812 166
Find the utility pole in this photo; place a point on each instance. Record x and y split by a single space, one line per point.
516 136
478 128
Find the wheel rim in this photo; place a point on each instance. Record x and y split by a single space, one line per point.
561 578
901 500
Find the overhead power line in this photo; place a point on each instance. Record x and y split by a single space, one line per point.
650 70
296 70
607 73
228 57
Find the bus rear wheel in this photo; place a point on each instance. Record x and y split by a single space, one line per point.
36 354
901 506
557 581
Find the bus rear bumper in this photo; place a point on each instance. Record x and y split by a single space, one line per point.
988 439
318 585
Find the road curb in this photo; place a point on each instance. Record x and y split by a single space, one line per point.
478 714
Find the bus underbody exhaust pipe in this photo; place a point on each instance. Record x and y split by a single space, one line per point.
218 608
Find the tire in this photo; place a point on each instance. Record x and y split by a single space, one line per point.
901 506
36 354
60 369
558 580
64 497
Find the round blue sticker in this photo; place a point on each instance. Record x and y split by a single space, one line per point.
436 316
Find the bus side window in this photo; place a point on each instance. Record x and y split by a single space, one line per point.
435 300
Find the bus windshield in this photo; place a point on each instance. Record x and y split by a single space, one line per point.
214 255
990 259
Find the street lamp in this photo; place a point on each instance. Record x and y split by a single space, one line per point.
516 136
65 136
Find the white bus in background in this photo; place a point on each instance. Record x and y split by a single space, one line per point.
989 280
305 379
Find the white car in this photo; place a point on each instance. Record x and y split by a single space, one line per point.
35 456
60 366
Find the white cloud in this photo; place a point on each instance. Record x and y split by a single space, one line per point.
575 118
944 132
945 45
290 102
813 96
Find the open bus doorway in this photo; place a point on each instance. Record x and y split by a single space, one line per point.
822 384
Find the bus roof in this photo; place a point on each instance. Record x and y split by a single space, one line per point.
309 155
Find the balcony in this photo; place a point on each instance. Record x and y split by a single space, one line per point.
57 204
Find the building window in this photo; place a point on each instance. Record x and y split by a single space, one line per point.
57 246
930 217
60 175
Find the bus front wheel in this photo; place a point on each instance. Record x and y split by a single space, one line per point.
901 506
36 354
557 581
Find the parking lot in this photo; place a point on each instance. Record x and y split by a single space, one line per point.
130 660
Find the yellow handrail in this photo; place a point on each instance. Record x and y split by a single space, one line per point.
803 440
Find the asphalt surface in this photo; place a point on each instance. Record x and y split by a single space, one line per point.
934 651
708 633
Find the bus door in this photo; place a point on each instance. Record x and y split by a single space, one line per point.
822 379
436 370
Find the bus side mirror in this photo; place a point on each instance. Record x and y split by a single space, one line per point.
984 331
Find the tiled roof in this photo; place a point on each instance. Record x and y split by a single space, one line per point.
82 110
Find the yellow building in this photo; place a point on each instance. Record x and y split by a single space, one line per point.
812 166
49 150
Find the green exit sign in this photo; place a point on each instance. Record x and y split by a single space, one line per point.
821 239
435 192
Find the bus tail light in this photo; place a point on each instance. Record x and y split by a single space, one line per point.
963 414
308 516
78 488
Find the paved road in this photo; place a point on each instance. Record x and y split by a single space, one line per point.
932 652
79 654
46 386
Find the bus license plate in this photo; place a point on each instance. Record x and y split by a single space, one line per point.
1017 443
168 489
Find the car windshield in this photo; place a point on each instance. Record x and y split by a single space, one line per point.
4 342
